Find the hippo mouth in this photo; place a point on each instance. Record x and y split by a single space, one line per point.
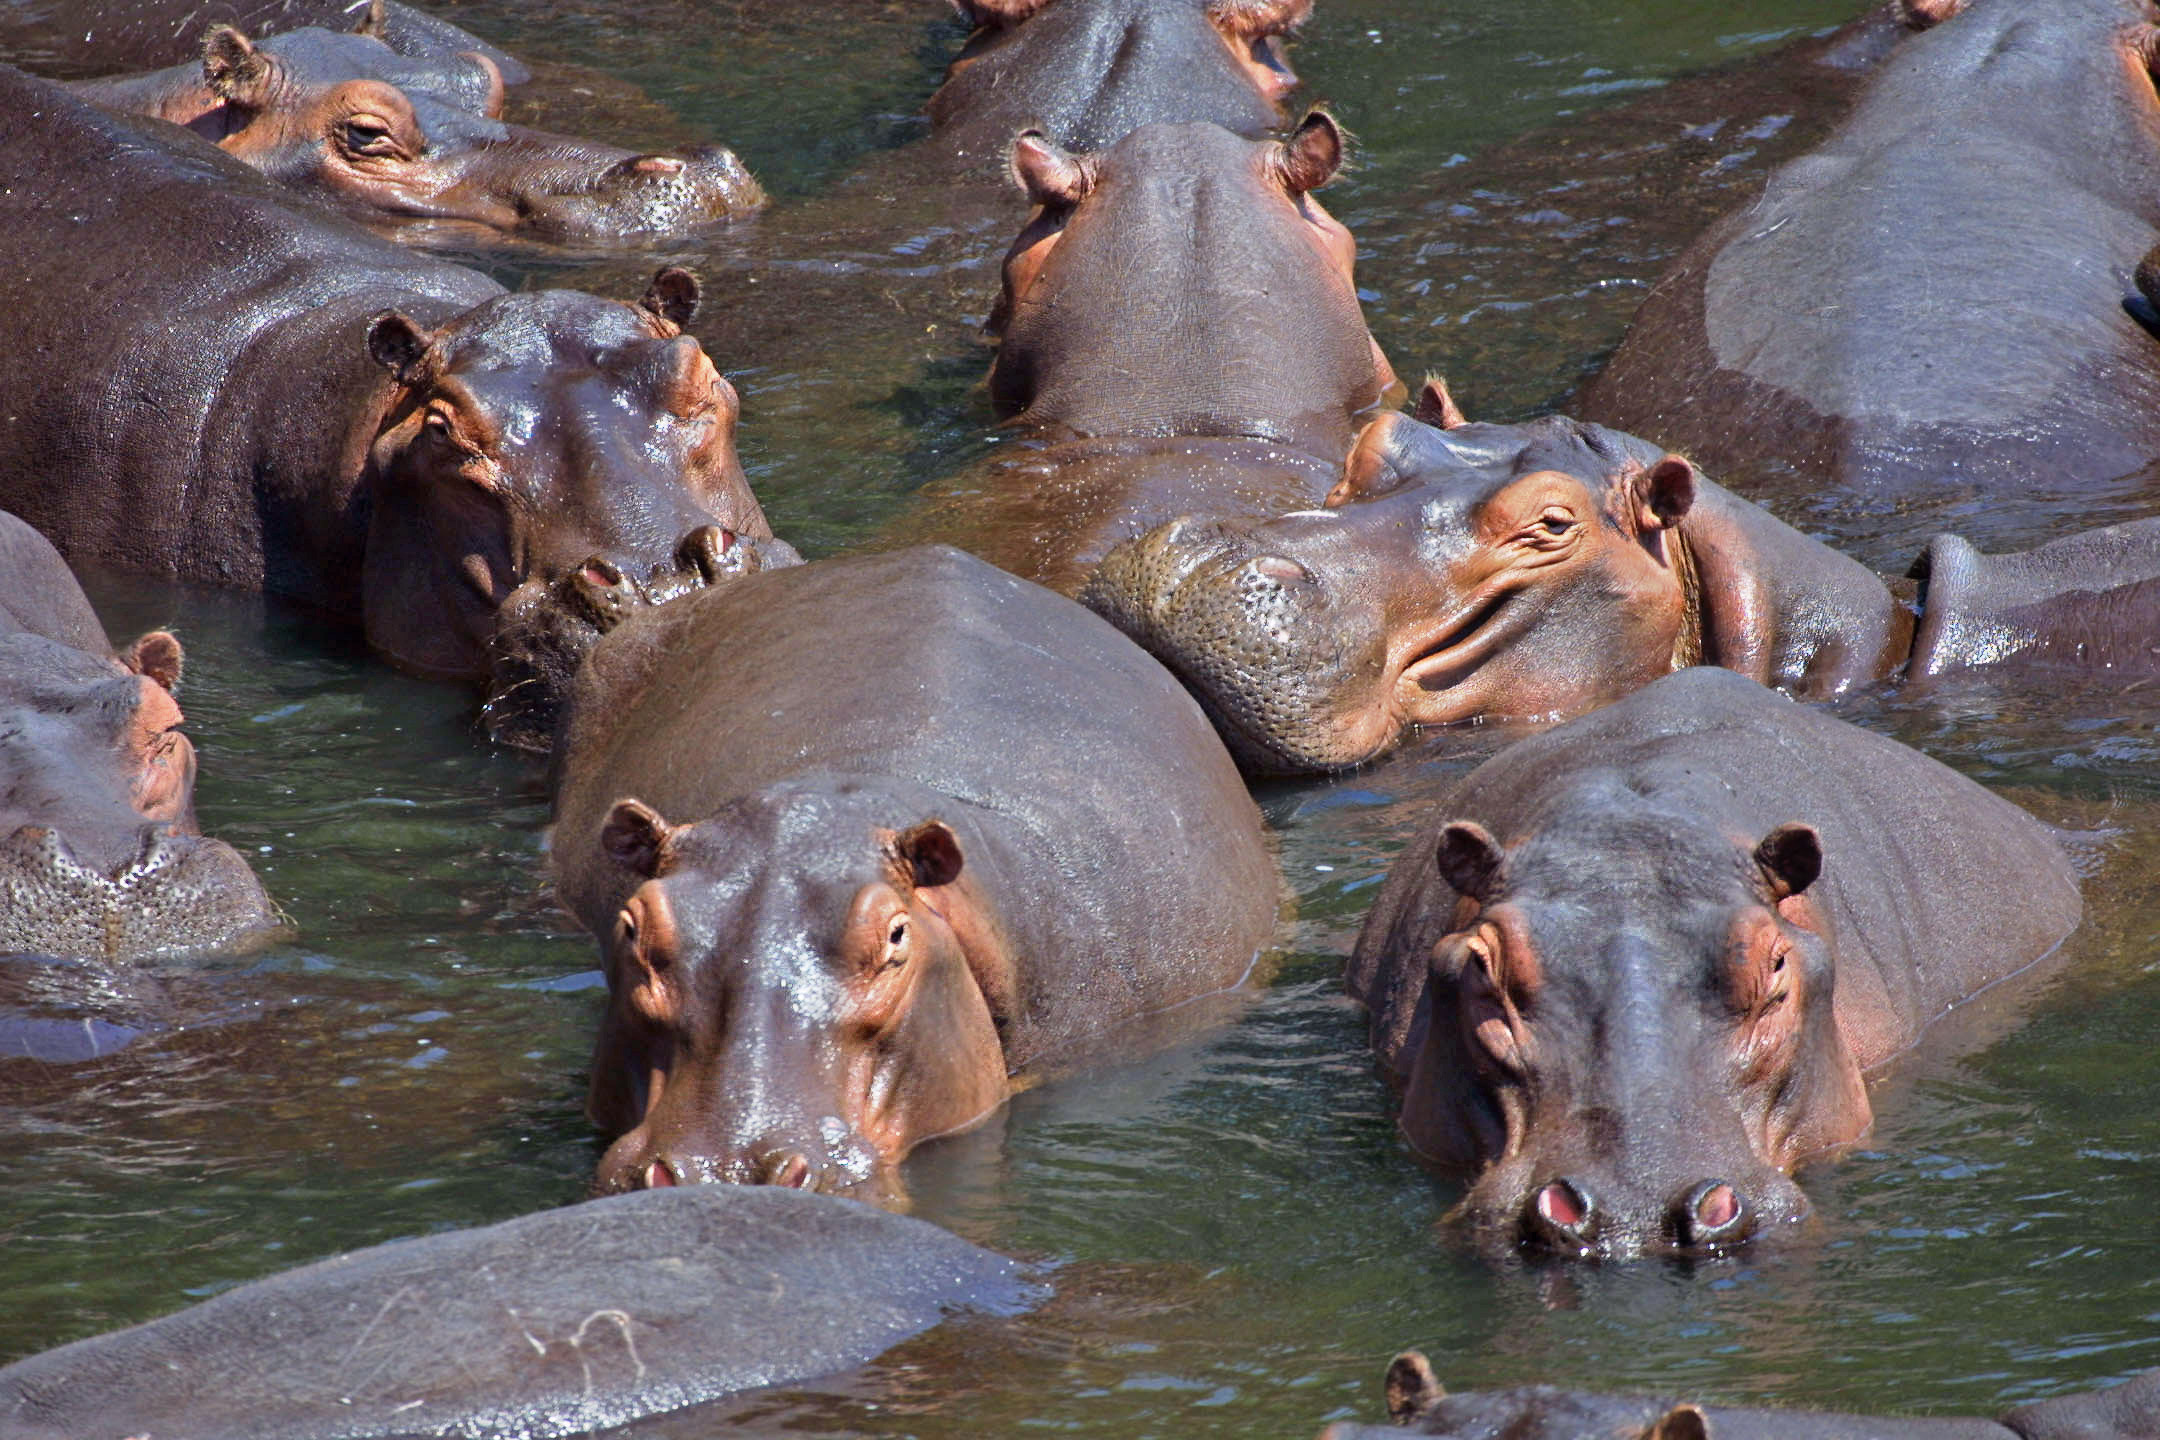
1439 665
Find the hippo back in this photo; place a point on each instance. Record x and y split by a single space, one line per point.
1932 887
38 593
1092 769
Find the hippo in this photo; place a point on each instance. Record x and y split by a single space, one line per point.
554 1324
1086 73
984 837
1417 1400
1462 571
283 402
1896 324
392 140
1144 374
1638 969
108 37
100 856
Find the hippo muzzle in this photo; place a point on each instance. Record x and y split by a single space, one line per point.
173 893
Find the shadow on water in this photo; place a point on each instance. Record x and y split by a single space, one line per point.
1243 1240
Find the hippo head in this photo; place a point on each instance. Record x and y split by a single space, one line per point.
1185 251
1634 1066
99 856
792 999
1044 64
386 135
535 438
1459 571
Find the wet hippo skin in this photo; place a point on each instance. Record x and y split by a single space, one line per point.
107 37
100 857
1087 73
1419 1405
1898 314
984 837
1179 329
555 1324
1464 571
280 401
1635 971
392 139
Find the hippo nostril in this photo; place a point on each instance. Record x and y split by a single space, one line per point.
1718 1207
705 550
657 165
790 1171
1279 568
1562 1214
659 1175
602 572
1711 1212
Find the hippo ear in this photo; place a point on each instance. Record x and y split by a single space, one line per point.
1437 408
1927 14
231 64
672 296
1471 860
1313 154
997 12
1370 470
1052 177
931 852
1664 493
158 656
373 21
1791 858
399 344
636 838
1682 1422
1412 1388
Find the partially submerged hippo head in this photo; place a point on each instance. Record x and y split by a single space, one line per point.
388 136
1087 72
1638 1071
1459 571
1186 282
539 439
790 1000
99 854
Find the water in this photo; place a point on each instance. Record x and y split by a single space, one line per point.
1242 1239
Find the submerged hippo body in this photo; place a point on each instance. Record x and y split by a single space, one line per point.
395 140
100 858
1416 1400
1932 303
108 37
555 1324
1179 329
280 401
1636 972
984 835
1541 570
1086 73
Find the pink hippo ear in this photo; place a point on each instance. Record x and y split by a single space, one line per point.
1260 17
233 68
1791 858
372 20
1927 14
399 344
1313 154
1412 1388
636 838
1682 1422
1471 860
158 656
1437 408
1664 494
672 296
998 13
1052 177
931 853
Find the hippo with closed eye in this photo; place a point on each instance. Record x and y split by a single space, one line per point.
1638 969
1461 571
100 856
283 402
391 139
848 907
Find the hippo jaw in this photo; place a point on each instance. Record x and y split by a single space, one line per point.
798 1022
1633 1076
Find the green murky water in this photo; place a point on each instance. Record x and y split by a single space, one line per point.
1245 1241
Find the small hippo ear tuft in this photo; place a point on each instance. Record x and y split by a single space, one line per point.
157 655
638 839
673 296
373 22
1436 407
231 64
1313 154
1682 1422
399 344
1412 1388
1791 858
1470 859
1927 14
1666 492
931 852
1052 177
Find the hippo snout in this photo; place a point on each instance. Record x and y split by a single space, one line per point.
152 890
791 1160
661 192
1580 1218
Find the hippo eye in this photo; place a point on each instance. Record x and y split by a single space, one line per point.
1556 522
368 135
895 938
